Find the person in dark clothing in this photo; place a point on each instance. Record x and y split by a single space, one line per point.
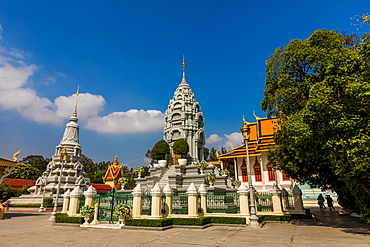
320 201
329 201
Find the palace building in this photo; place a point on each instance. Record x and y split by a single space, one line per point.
261 140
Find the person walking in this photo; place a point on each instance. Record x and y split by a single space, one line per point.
320 201
329 201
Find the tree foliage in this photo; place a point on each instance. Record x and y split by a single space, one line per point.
319 89
181 147
159 151
37 161
25 171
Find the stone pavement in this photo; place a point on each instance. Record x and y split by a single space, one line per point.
330 229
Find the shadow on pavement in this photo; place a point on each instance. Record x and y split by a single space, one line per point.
20 214
346 223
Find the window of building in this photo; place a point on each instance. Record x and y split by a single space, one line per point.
257 171
271 172
244 171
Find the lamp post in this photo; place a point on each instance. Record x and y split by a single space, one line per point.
253 220
42 209
64 160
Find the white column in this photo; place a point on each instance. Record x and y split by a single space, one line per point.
168 193
66 197
74 201
192 201
243 200
276 200
137 206
203 198
298 202
90 194
96 215
156 194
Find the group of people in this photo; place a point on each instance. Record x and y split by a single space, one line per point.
329 201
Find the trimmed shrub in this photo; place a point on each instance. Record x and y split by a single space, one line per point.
26 205
192 221
64 218
48 202
181 147
149 222
228 220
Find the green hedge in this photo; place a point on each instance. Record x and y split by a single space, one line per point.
184 221
228 220
287 217
26 205
64 218
192 221
149 222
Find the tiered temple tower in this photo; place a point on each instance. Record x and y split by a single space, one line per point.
184 119
72 174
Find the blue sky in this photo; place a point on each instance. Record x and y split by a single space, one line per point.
126 58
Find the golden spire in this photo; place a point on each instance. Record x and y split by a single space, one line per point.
183 61
183 64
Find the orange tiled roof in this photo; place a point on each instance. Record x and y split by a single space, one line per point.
261 139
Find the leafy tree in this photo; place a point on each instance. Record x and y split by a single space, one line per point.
212 154
223 150
181 147
25 171
159 151
6 192
148 155
96 178
37 161
319 89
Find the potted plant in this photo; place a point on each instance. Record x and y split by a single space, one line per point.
181 147
225 173
237 183
87 211
210 177
123 211
159 152
123 181
201 166
139 170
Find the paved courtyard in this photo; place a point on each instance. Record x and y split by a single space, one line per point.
330 229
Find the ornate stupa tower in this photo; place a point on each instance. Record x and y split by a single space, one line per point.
184 119
68 154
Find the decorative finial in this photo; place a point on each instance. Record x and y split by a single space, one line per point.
183 61
254 114
74 113
15 155
64 154
183 69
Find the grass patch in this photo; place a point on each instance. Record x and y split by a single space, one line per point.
64 218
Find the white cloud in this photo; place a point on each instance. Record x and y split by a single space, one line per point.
226 141
131 121
214 138
15 95
234 139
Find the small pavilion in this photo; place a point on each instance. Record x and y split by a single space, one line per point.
113 174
